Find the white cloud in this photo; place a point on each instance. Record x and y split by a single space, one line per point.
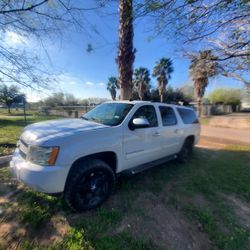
68 79
89 83
14 39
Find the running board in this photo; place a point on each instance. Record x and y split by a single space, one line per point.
149 165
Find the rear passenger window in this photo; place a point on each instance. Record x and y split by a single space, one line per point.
148 112
188 116
168 116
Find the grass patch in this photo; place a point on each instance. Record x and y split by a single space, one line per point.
123 241
237 148
109 216
11 129
234 236
89 235
5 175
18 112
35 208
211 174
204 120
99 231
225 172
75 240
100 223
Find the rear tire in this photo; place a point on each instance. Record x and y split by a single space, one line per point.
89 185
186 150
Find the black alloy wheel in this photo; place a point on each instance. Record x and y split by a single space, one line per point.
90 185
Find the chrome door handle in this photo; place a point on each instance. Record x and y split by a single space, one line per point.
177 131
156 134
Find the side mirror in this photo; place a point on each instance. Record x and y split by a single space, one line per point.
139 123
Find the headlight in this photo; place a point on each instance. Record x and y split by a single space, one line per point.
43 155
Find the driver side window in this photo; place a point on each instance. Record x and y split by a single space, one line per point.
148 112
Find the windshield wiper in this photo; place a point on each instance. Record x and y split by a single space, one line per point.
94 120
85 118
91 119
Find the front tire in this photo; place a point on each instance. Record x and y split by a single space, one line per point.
89 185
186 150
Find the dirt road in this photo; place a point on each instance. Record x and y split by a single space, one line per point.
228 135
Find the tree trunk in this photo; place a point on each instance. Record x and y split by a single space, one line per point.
162 97
140 91
113 95
162 83
199 107
126 92
199 91
126 52
8 109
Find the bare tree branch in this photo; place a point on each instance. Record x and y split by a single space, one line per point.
36 19
219 25
23 9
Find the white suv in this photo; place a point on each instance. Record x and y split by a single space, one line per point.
81 158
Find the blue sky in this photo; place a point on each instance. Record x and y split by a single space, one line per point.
85 74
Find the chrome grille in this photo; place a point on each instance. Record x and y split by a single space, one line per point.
23 149
24 143
22 154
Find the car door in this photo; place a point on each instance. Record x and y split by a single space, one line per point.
142 145
170 130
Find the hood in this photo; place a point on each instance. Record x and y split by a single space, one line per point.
44 129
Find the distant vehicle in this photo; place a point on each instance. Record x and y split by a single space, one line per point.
81 158
245 106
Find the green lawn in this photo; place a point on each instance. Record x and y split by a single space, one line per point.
204 120
198 192
11 128
18 112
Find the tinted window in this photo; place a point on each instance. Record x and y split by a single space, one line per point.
148 112
188 116
168 116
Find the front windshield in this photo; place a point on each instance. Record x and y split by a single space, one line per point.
110 114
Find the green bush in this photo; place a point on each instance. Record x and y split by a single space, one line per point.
225 96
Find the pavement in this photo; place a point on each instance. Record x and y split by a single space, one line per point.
226 135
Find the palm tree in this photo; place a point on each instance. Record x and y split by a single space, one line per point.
162 71
203 66
112 86
126 52
141 81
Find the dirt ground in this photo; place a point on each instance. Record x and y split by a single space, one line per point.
234 120
156 217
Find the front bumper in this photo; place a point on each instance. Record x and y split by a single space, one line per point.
49 179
